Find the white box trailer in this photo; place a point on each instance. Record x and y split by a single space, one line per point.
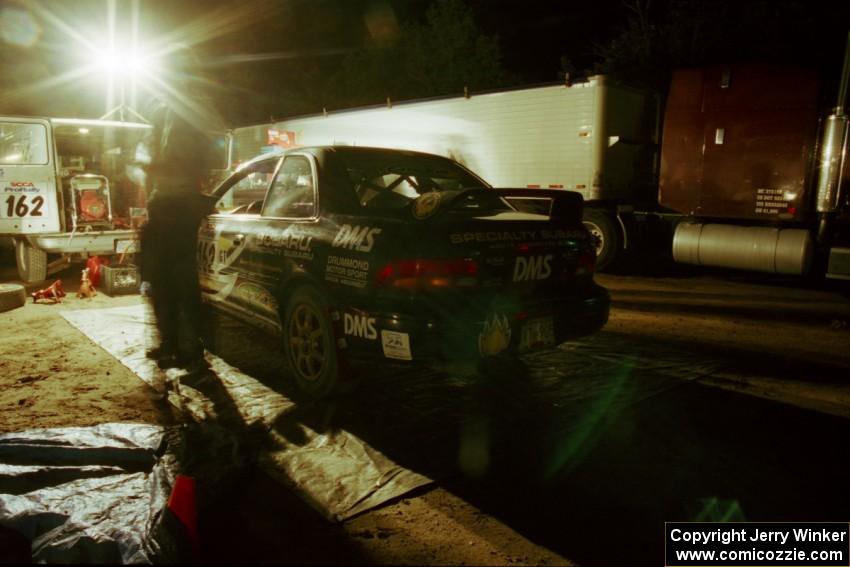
594 137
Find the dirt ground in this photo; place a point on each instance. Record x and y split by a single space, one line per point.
51 375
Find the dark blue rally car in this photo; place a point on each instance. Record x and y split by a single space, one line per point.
355 254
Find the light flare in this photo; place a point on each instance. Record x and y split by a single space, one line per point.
125 68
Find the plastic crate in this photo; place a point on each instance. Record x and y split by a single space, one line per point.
119 280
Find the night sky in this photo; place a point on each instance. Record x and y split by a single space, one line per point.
257 47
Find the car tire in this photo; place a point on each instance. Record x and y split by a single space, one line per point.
12 296
309 344
606 237
31 261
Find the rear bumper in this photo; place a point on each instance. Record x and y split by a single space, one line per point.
477 332
92 242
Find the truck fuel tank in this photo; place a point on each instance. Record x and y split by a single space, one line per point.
758 248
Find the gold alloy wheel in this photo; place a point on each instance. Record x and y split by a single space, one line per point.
306 339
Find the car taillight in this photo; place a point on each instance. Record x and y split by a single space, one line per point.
586 262
423 274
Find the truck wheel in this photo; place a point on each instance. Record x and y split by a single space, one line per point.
606 237
32 262
309 344
12 296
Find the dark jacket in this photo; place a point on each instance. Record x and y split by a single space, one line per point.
182 151
169 239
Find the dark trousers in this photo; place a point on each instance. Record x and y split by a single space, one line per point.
176 298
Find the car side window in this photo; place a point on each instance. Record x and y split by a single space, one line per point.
292 193
245 197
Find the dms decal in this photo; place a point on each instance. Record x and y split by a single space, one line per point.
360 326
533 268
360 238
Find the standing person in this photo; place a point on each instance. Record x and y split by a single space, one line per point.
182 153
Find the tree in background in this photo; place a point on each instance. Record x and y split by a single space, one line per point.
438 57
662 35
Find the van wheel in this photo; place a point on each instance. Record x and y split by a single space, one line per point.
606 237
309 344
32 262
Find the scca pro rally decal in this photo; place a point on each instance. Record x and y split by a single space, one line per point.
360 238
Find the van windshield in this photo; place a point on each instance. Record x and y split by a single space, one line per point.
23 144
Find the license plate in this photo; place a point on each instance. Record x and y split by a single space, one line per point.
128 246
537 333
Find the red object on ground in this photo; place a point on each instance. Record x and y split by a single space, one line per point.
93 264
53 292
182 505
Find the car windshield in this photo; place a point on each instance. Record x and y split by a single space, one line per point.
389 180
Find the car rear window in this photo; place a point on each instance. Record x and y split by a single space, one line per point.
392 180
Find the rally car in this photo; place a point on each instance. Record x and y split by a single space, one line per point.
353 254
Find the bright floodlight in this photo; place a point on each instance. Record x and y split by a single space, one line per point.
124 63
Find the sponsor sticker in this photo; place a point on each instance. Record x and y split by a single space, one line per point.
495 337
360 238
426 205
291 242
23 199
347 271
532 268
537 333
396 345
358 325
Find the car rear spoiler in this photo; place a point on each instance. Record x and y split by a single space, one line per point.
558 204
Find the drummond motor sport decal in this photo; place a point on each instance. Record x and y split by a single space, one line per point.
19 199
347 271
